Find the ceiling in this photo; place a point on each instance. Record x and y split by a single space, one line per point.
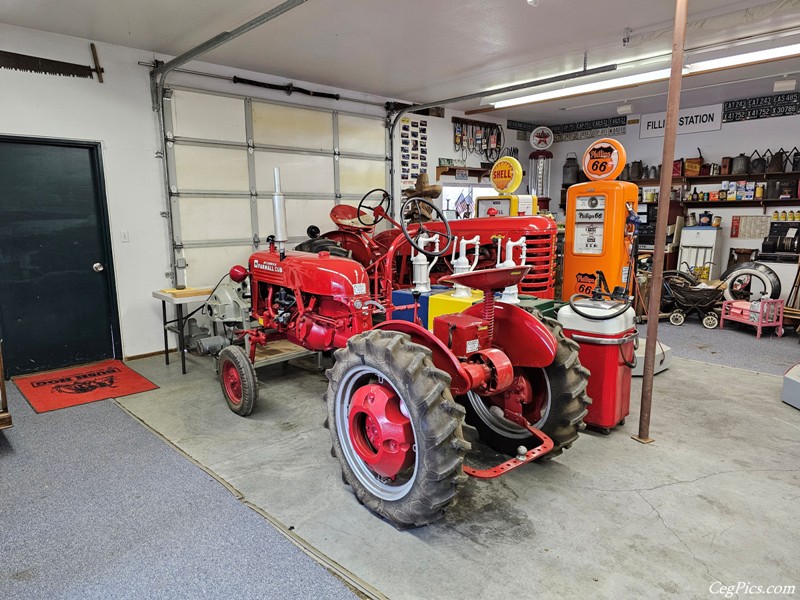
424 51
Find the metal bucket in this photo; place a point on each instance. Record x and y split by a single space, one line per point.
741 165
570 170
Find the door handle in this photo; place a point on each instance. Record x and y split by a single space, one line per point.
97 267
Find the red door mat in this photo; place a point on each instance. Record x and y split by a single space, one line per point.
80 385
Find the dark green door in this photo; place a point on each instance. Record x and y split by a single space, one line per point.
57 305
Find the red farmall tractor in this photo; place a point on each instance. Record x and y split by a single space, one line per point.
398 393
386 254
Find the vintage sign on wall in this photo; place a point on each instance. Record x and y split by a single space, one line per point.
763 107
583 130
690 120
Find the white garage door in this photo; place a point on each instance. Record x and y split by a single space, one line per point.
221 152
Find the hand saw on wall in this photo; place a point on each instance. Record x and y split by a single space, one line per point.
34 64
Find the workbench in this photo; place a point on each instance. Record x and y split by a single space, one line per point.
179 299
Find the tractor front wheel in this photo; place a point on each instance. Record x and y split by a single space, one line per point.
395 427
553 399
238 380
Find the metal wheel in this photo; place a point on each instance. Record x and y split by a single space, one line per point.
395 428
532 390
677 318
710 320
238 381
552 399
380 444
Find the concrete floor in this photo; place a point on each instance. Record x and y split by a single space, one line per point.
715 498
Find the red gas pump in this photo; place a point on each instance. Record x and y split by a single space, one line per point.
604 326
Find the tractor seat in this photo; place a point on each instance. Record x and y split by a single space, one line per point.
346 215
489 279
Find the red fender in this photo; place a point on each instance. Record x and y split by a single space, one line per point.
523 337
357 245
442 357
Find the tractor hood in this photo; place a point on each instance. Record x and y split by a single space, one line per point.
318 274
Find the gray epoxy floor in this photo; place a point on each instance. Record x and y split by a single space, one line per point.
715 498
95 506
734 346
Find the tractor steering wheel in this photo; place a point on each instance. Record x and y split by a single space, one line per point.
423 231
361 206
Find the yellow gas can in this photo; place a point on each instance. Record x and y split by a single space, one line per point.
447 304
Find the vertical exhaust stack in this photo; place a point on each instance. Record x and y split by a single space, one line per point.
279 215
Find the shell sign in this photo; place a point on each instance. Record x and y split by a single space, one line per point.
506 175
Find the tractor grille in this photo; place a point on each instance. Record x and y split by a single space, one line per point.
540 252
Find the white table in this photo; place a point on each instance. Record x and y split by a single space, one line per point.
178 303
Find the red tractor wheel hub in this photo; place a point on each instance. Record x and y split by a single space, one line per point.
517 398
232 381
526 395
380 433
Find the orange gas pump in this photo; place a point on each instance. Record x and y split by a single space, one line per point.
597 237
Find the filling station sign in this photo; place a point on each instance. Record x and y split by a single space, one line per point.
690 120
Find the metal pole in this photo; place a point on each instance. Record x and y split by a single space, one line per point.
654 306
226 36
159 74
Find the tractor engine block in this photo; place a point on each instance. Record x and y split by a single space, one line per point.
327 323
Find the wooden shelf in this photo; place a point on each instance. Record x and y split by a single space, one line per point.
478 172
763 203
703 179
732 203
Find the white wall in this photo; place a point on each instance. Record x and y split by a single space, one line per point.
440 145
731 140
118 114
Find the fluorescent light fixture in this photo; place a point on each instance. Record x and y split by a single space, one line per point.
784 85
742 60
707 66
587 88
625 109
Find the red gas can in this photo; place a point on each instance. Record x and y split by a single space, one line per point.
607 350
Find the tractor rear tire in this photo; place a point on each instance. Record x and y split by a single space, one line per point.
320 244
237 378
561 418
426 485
